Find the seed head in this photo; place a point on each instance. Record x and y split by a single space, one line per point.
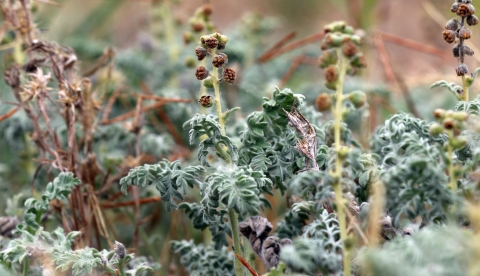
206 101
331 73
452 24
454 7
219 60
461 70
464 33
449 36
200 52
439 113
358 98
350 49
359 61
436 129
472 20
323 102
201 73
465 10
229 75
211 42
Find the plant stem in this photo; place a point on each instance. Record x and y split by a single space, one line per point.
451 168
338 166
236 241
465 89
231 213
121 268
218 104
26 267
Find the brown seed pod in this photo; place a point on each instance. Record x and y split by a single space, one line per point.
448 123
206 101
454 7
327 58
323 102
219 60
439 113
197 27
461 69
201 73
211 42
229 75
349 49
464 33
449 36
271 250
207 10
465 10
200 52
331 73
467 50
456 50
472 20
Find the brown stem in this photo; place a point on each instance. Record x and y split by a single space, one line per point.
109 205
290 47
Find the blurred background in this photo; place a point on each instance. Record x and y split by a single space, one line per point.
148 46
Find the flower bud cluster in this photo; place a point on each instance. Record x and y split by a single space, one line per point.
448 122
456 31
199 22
340 39
210 46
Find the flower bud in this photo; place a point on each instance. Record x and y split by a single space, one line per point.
349 30
219 60
349 49
452 25
467 50
120 250
439 113
461 70
358 98
334 40
331 85
465 10
207 10
208 82
211 42
343 153
190 62
472 20
197 25
464 33
327 58
188 37
200 52
323 102
448 123
359 61
454 7
436 129
203 40
201 73
456 50
337 26
206 101
357 39
458 142
229 75
331 73
460 116
449 36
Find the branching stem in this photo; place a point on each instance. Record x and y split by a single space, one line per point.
338 166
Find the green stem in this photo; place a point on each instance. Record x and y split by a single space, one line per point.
338 166
216 86
236 241
451 168
465 89
231 213
121 268
26 267
223 153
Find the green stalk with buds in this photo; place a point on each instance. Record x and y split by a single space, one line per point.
340 56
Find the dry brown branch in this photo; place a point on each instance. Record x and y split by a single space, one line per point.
290 47
412 44
9 113
278 44
247 265
110 205
144 109
293 67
